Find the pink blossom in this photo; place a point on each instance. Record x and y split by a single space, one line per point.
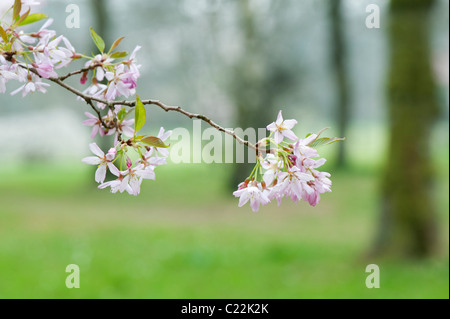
32 85
254 194
126 127
49 51
5 76
290 183
129 180
102 61
153 161
96 91
103 161
313 189
117 184
45 70
272 164
163 136
131 64
302 150
97 126
282 129
120 83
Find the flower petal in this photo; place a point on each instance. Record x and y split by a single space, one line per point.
289 124
278 137
96 150
279 119
91 160
290 135
100 173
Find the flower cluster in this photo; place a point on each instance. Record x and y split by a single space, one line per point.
30 57
123 126
120 77
288 170
130 178
41 51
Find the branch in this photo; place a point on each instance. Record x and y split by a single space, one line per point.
191 116
91 67
110 104
85 97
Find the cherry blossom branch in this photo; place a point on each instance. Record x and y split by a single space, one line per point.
289 170
88 99
91 67
191 116
167 108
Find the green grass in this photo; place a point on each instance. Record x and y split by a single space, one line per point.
184 237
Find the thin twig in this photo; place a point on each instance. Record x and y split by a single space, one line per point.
88 68
88 99
99 115
167 108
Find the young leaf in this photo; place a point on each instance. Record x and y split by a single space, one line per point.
322 130
32 18
3 35
318 134
154 141
121 114
139 115
22 18
325 141
119 54
98 40
16 9
116 43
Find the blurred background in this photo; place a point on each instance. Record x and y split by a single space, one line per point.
385 89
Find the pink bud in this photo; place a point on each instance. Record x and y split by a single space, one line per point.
129 163
111 155
112 151
83 78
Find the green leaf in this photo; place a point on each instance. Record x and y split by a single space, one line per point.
116 43
32 18
119 54
139 115
121 114
16 9
322 130
154 141
3 35
325 141
22 18
98 40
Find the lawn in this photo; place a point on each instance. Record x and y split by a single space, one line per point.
184 237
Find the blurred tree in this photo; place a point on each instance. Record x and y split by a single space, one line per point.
101 20
338 59
408 224
257 80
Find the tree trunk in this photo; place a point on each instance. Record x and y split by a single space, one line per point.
247 87
340 76
258 80
408 222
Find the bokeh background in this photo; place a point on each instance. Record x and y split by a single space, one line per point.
239 62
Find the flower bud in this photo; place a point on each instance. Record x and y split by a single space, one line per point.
84 77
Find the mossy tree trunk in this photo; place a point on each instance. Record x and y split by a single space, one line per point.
408 225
